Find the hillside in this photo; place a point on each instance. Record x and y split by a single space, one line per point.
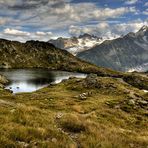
105 110
128 53
96 111
35 54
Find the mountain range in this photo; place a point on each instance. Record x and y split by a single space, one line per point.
103 107
75 45
127 53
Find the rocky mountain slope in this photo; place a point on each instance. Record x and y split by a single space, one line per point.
75 45
128 53
35 54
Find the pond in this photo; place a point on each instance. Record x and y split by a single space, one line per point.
29 80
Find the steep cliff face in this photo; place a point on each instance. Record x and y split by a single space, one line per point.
128 53
35 54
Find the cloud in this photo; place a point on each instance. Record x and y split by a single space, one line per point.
89 11
146 4
131 2
101 29
112 13
2 21
29 4
145 12
43 33
41 13
133 26
108 30
14 34
43 17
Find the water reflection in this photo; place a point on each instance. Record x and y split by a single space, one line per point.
29 80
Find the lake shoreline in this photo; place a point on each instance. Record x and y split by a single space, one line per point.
30 80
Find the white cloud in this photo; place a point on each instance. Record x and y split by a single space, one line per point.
131 2
133 26
47 16
102 29
43 33
23 36
86 11
49 12
145 12
146 4
2 21
112 13
103 25
15 32
108 30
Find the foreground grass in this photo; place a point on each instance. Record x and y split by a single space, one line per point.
75 113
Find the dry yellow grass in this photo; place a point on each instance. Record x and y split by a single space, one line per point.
56 117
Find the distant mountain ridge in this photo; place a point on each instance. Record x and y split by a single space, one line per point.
127 53
75 45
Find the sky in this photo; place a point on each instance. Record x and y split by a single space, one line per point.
24 20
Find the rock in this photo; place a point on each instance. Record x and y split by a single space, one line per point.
64 80
91 81
54 140
78 80
84 96
91 78
132 145
59 115
117 107
126 91
133 95
5 65
3 79
9 91
146 91
72 77
137 81
131 102
142 102
23 144
12 110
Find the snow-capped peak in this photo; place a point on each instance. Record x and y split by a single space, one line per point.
143 29
78 44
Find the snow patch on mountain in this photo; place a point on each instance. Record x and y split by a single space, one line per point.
141 68
75 45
